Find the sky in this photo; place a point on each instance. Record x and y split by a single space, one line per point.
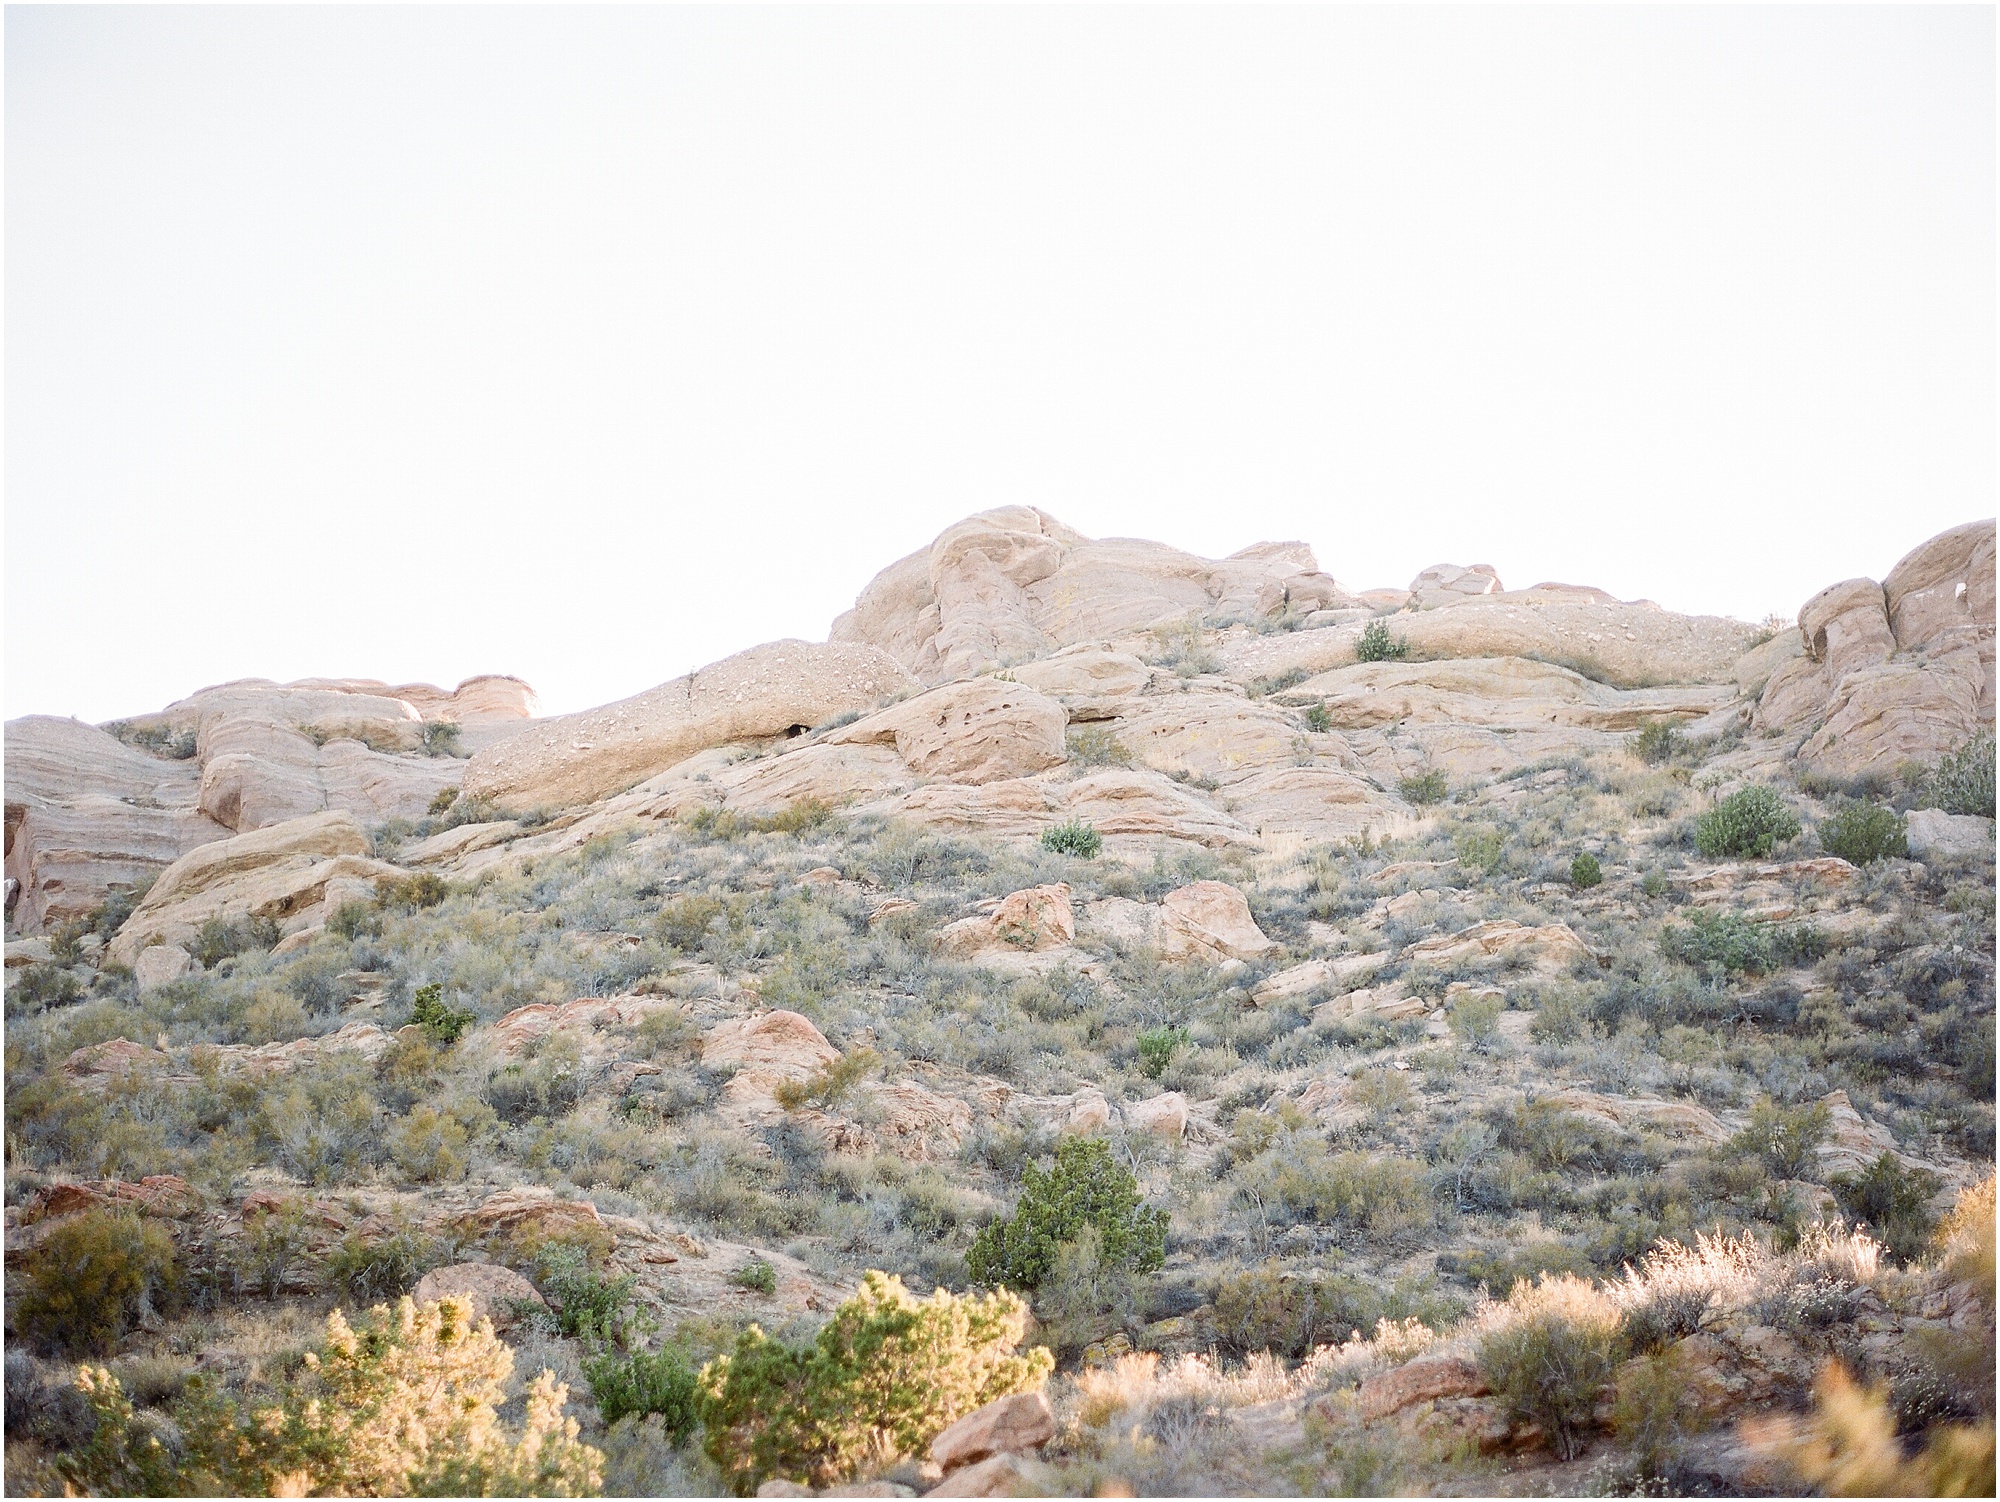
592 345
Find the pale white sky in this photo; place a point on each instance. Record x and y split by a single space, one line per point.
592 345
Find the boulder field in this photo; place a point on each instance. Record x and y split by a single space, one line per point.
1013 676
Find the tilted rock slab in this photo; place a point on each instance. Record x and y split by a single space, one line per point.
781 688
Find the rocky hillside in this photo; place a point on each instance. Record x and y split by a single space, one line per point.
1427 967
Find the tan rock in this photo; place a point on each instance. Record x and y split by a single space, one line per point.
589 1020
1034 919
1012 1425
996 1476
1088 1112
280 873
777 1486
1550 950
1088 671
1672 1118
1299 980
1424 1380
1936 835
976 731
779 1043
1165 1115
917 1124
159 964
1942 587
1209 921
491 1289
1131 808
1501 692
1846 626
1447 584
529 1205
95 1064
1385 1005
767 692
22 952
1880 717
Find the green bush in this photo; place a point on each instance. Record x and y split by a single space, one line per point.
1863 832
1787 1139
1319 719
217 940
1424 787
1547 1351
661 1383
441 738
92 1278
1750 821
1479 847
1585 872
881 1379
1073 837
1086 1187
758 1277
420 889
1476 1020
1375 644
1962 783
1659 741
1157 1047
831 1083
1268 1309
368 1271
583 1303
1718 940
1894 1202
445 1025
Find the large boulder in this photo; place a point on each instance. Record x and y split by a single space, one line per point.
1012 1425
1210 921
1942 587
1936 835
1552 949
494 1292
1448 584
1424 1380
1013 584
780 689
1028 921
979 730
280 873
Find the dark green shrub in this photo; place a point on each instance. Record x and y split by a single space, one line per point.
1724 941
1086 1187
441 738
370 1271
1073 837
444 1025
1157 1047
1750 821
1659 741
40 986
1268 1309
1585 872
444 800
216 940
1479 847
1547 1351
1375 644
881 1379
1424 788
1319 719
758 1277
685 921
661 1383
1962 783
583 1303
351 920
92 1278
1893 1201
1786 1138
1863 832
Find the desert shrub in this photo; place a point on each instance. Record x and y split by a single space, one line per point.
1965 1242
1085 1187
1547 1350
661 1383
216 940
758 1276
324 1128
1479 847
583 1303
1786 1138
1268 1309
1669 1294
1309 1181
550 1084
404 1405
685 921
1073 837
1893 1201
1659 741
272 1244
1094 746
1424 787
831 1083
353 920
1476 1019
444 1024
429 1145
1863 832
40 986
367 1271
1157 1047
1719 942
1319 719
441 738
441 801
1651 1413
1848 1447
1375 644
881 1378
799 817
420 889
1552 1137
1961 783
1750 821
92 1278
1585 872
1502 1271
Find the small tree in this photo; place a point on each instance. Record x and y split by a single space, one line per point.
445 1024
1073 837
1893 1201
93 1276
1962 783
1585 872
1087 1187
881 1379
1863 832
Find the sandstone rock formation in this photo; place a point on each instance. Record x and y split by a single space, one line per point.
1031 920
1007 1426
492 1290
770 692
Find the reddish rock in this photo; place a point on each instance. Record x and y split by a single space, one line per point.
1424 1380
1023 1421
163 1194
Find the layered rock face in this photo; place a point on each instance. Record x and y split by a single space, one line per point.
1896 672
90 812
